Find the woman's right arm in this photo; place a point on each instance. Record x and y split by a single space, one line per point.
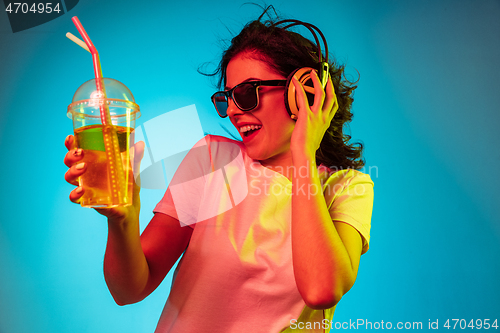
134 265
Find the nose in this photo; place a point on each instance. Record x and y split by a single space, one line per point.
232 109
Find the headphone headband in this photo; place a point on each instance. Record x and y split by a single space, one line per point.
323 65
303 75
311 28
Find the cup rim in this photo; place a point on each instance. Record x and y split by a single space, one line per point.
100 100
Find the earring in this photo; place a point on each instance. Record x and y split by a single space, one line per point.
294 117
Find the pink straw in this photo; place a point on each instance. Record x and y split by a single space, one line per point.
105 117
110 137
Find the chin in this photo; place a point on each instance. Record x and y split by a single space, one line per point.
255 155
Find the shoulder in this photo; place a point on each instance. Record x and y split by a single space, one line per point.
221 142
223 150
345 183
214 145
207 154
349 196
343 177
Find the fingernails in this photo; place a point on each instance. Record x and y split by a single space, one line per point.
80 166
78 152
79 189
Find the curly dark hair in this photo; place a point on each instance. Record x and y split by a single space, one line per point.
284 51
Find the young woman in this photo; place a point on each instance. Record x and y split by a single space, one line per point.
270 228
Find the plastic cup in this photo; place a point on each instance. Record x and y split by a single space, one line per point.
99 181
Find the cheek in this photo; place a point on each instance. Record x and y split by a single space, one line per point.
282 123
275 117
281 131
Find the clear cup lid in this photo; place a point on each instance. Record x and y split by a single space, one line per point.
117 95
114 90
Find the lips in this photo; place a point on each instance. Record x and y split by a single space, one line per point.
249 135
247 130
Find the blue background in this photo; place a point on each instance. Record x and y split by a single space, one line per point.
427 109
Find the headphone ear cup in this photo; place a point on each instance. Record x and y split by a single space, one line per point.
303 75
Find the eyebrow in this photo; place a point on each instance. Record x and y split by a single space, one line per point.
247 80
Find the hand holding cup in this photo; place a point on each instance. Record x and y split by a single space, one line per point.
74 160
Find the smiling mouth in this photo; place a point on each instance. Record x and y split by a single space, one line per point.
248 130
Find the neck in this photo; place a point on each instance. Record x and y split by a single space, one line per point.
282 164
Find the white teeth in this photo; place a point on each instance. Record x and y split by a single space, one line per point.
247 128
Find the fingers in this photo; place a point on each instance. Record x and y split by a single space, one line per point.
319 93
300 95
324 99
73 160
138 155
76 194
69 141
73 156
331 103
74 172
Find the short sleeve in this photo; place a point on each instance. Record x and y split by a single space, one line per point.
199 187
349 197
183 196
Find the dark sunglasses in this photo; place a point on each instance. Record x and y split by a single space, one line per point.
244 95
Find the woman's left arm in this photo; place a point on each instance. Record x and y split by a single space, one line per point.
325 254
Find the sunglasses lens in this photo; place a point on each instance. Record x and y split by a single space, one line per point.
245 96
220 102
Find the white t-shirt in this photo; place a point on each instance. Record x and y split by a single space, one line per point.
236 274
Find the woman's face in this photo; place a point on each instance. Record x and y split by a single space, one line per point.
272 141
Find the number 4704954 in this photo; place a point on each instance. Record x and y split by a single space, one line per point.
474 324
36 8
